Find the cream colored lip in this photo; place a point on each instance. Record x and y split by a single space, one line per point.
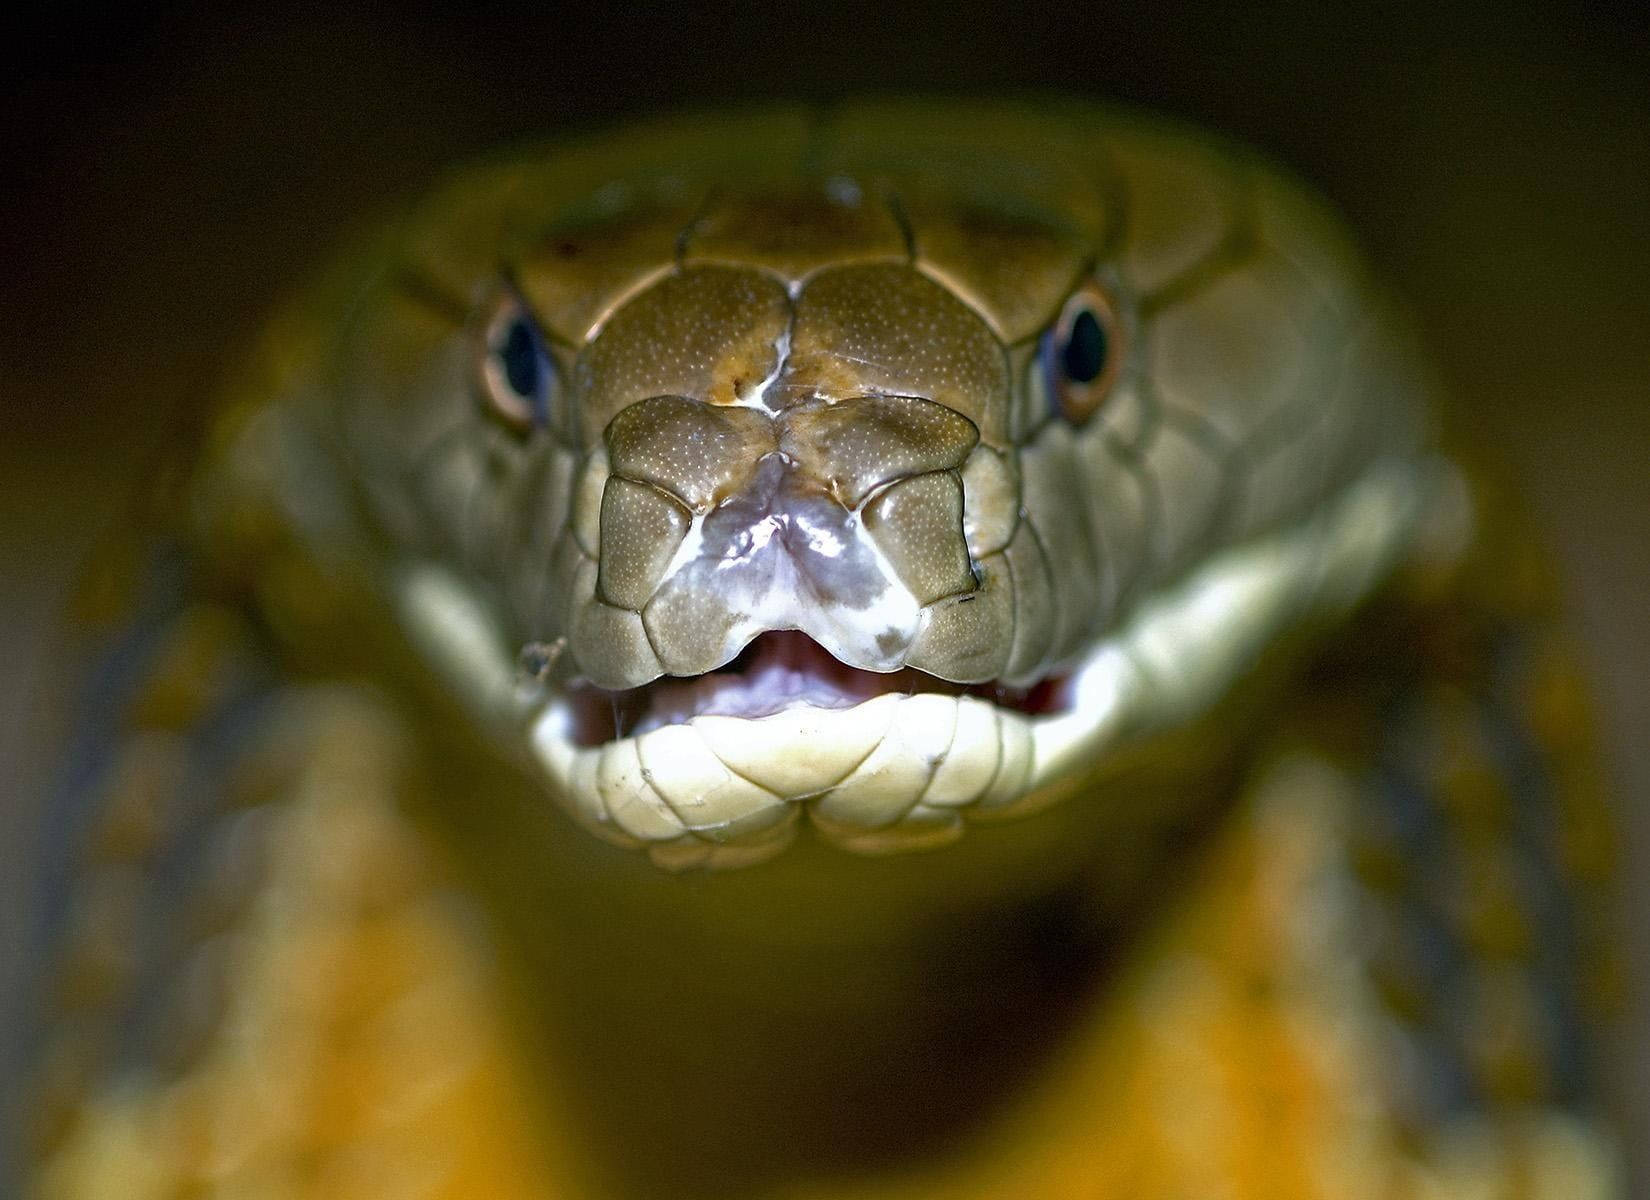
898 771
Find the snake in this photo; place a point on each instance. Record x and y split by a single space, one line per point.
843 518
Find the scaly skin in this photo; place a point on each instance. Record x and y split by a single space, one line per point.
1257 927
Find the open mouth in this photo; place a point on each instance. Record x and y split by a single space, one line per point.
778 670
720 769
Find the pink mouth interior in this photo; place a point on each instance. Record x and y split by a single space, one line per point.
776 671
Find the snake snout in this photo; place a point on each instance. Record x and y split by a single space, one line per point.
843 520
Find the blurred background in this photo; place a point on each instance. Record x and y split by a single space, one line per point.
172 170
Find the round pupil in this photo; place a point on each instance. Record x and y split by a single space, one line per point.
520 356
1084 355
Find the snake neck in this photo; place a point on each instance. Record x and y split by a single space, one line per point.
682 1007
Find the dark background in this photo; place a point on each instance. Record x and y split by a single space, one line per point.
169 172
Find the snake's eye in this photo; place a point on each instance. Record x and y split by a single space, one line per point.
517 377
1081 354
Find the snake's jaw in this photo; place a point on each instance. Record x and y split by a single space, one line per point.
709 783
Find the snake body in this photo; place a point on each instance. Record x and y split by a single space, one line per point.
872 471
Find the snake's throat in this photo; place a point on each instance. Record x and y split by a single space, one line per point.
778 670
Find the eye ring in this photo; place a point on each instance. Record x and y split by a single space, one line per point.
1082 354
514 371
